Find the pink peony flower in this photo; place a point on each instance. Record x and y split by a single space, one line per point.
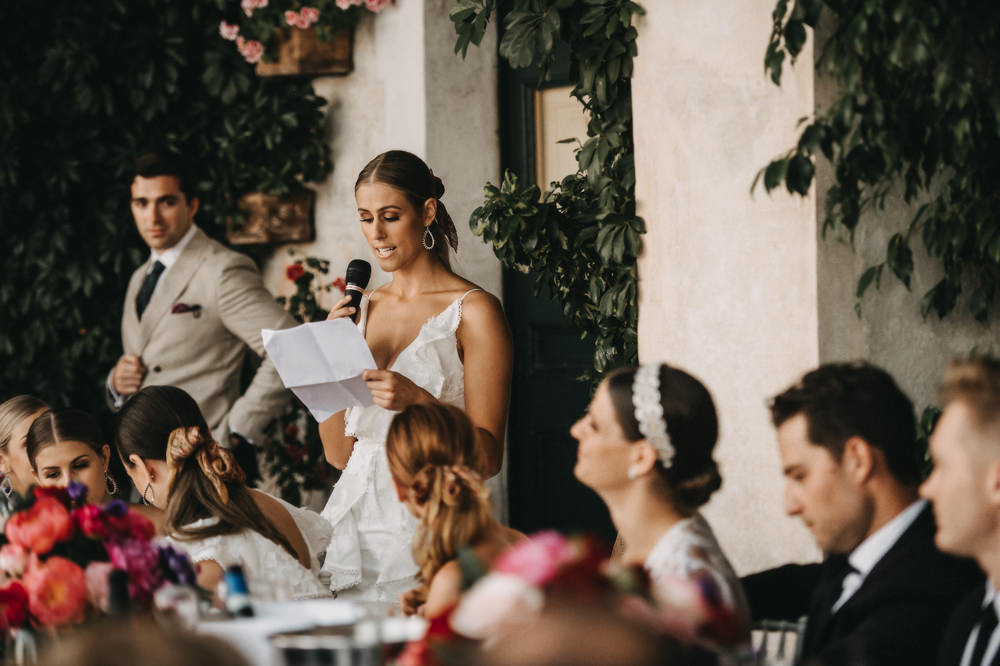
57 591
377 5
140 560
229 30
310 15
96 575
291 17
13 560
40 527
13 605
537 559
301 22
252 51
497 603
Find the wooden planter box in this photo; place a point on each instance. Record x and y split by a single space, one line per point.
302 53
270 219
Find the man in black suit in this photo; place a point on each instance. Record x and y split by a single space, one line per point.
965 490
847 438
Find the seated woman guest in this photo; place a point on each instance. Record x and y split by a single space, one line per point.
66 445
16 416
645 446
434 460
210 513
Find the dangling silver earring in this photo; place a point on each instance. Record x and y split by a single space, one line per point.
110 484
428 244
6 487
149 491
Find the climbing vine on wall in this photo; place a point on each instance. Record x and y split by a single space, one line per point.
917 108
581 236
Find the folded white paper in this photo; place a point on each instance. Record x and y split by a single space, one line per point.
322 364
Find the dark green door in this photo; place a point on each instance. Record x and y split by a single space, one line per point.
549 356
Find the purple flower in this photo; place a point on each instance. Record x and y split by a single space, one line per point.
77 491
176 562
116 508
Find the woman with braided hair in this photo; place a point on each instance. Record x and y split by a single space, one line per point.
434 460
210 513
436 339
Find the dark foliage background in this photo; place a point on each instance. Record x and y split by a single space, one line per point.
86 86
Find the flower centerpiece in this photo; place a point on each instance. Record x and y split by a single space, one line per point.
264 24
58 554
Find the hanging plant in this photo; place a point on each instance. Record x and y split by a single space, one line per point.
582 236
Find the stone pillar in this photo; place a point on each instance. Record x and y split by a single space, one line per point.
727 279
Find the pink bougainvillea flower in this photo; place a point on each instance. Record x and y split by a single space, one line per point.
291 17
377 5
310 14
13 560
57 591
301 22
347 4
537 559
229 30
251 51
13 605
250 5
42 526
96 575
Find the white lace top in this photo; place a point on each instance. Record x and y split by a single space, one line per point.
688 550
370 552
271 572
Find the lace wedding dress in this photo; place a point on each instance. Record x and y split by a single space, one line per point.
271 572
688 552
369 559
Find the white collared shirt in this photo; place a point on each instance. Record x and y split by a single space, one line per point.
991 597
868 553
170 256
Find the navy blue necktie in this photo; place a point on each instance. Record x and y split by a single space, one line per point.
148 285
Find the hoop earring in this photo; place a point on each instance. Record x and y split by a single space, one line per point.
6 487
110 484
149 490
428 245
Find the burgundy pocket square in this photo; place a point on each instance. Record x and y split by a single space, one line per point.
181 308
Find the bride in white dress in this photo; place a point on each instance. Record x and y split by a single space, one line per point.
645 446
435 337
210 513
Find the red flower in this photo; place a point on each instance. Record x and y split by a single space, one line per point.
13 605
40 527
57 591
294 271
91 521
57 492
339 284
291 430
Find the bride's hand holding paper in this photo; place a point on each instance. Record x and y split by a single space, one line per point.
394 391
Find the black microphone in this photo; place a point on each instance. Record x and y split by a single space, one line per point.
359 272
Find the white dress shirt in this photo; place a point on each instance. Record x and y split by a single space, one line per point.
868 553
991 597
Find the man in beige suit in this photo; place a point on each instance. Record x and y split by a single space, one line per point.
192 310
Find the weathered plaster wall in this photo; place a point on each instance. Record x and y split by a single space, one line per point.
728 282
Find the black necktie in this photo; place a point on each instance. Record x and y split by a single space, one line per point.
148 285
987 624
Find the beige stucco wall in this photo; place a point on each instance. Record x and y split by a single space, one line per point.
727 280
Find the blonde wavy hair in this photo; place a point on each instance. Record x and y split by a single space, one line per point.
433 454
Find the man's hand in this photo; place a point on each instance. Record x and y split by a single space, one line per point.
127 375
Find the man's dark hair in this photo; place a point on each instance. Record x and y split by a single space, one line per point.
151 165
844 400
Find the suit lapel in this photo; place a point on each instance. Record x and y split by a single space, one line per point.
171 285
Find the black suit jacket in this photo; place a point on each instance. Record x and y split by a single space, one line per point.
897 616
956 635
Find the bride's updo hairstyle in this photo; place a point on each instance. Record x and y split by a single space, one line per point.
692 475
410 175
432 453
165 423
